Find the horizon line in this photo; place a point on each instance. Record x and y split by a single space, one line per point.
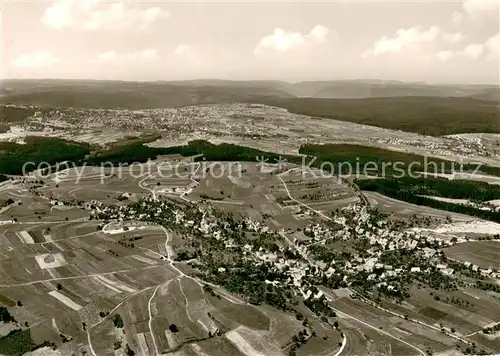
382 81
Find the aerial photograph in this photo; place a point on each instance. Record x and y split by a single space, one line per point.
250 178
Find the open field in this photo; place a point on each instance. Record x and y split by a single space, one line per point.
319 192
72 273
485 254
467 311
405 209
393 330
247 189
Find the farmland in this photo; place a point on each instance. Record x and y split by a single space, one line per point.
481 253
113 276
88 271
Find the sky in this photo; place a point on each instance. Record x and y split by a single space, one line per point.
426 41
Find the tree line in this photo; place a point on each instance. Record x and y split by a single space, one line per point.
412 191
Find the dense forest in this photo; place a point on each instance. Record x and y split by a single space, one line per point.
373 158
37 150
14 157
202 149
455 189
412 190
434 116
15 114
344 158
381 161
17 343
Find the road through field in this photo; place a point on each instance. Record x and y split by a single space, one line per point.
298 201
150 321
339 312
378 198
330 296
111 313
74 277
344 343
146 188
195 182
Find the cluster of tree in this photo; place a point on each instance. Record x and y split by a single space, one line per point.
335 281
184 255
248 280
132 238
118 321
5 316
494 171
144 138
54 150
405 259
129 351
492 330
398 292
208 289
489 287
457 301
17 342
290 254
319 306
136 152
461 269
209 197
126 244
301 338
4 128
322 253
65 338
45 344
113 253
472 350
314 196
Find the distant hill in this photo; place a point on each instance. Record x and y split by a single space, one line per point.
492 94
356 89
435 116
414 107
111 94
131 95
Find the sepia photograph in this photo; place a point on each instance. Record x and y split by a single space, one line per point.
249 178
